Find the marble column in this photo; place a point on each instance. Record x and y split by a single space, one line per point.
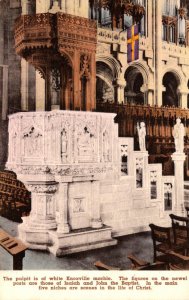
69 7
42 215
84 8
184 99
179 159
158 53
96 221
150 97
1 37
24 84
42 6
26 9
4 68
62 208
120 91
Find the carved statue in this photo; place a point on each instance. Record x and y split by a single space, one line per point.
142 135
178 134
64 145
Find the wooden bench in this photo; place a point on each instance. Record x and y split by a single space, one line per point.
101 266
14 247
180 226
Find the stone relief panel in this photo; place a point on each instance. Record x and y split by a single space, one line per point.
153 184
106 141
85 139
79 205
31 139
139 172
62 142
125 152
32 143
14 145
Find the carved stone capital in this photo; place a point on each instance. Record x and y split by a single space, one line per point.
48 188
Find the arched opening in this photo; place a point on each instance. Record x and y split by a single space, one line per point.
104 83
170 95
133 91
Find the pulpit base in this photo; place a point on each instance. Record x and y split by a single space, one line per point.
80 240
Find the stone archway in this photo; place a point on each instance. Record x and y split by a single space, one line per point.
104 83
134 89
170 96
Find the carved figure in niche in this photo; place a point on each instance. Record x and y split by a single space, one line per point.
139 173
85 147
64 145
142 136
33 143
178 134
106 147
55 86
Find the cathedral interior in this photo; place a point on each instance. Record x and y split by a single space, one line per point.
69 95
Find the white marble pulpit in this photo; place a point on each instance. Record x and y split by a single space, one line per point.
61 156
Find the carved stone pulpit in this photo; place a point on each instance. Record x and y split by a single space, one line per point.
61 156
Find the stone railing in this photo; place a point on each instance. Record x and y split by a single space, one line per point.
107 35
110 36
175 50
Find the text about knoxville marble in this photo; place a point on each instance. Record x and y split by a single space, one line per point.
95 283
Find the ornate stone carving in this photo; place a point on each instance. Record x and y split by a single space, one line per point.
64 146
153 176
78 205
32 142
62 143
49 188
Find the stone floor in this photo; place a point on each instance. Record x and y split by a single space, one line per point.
138 244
